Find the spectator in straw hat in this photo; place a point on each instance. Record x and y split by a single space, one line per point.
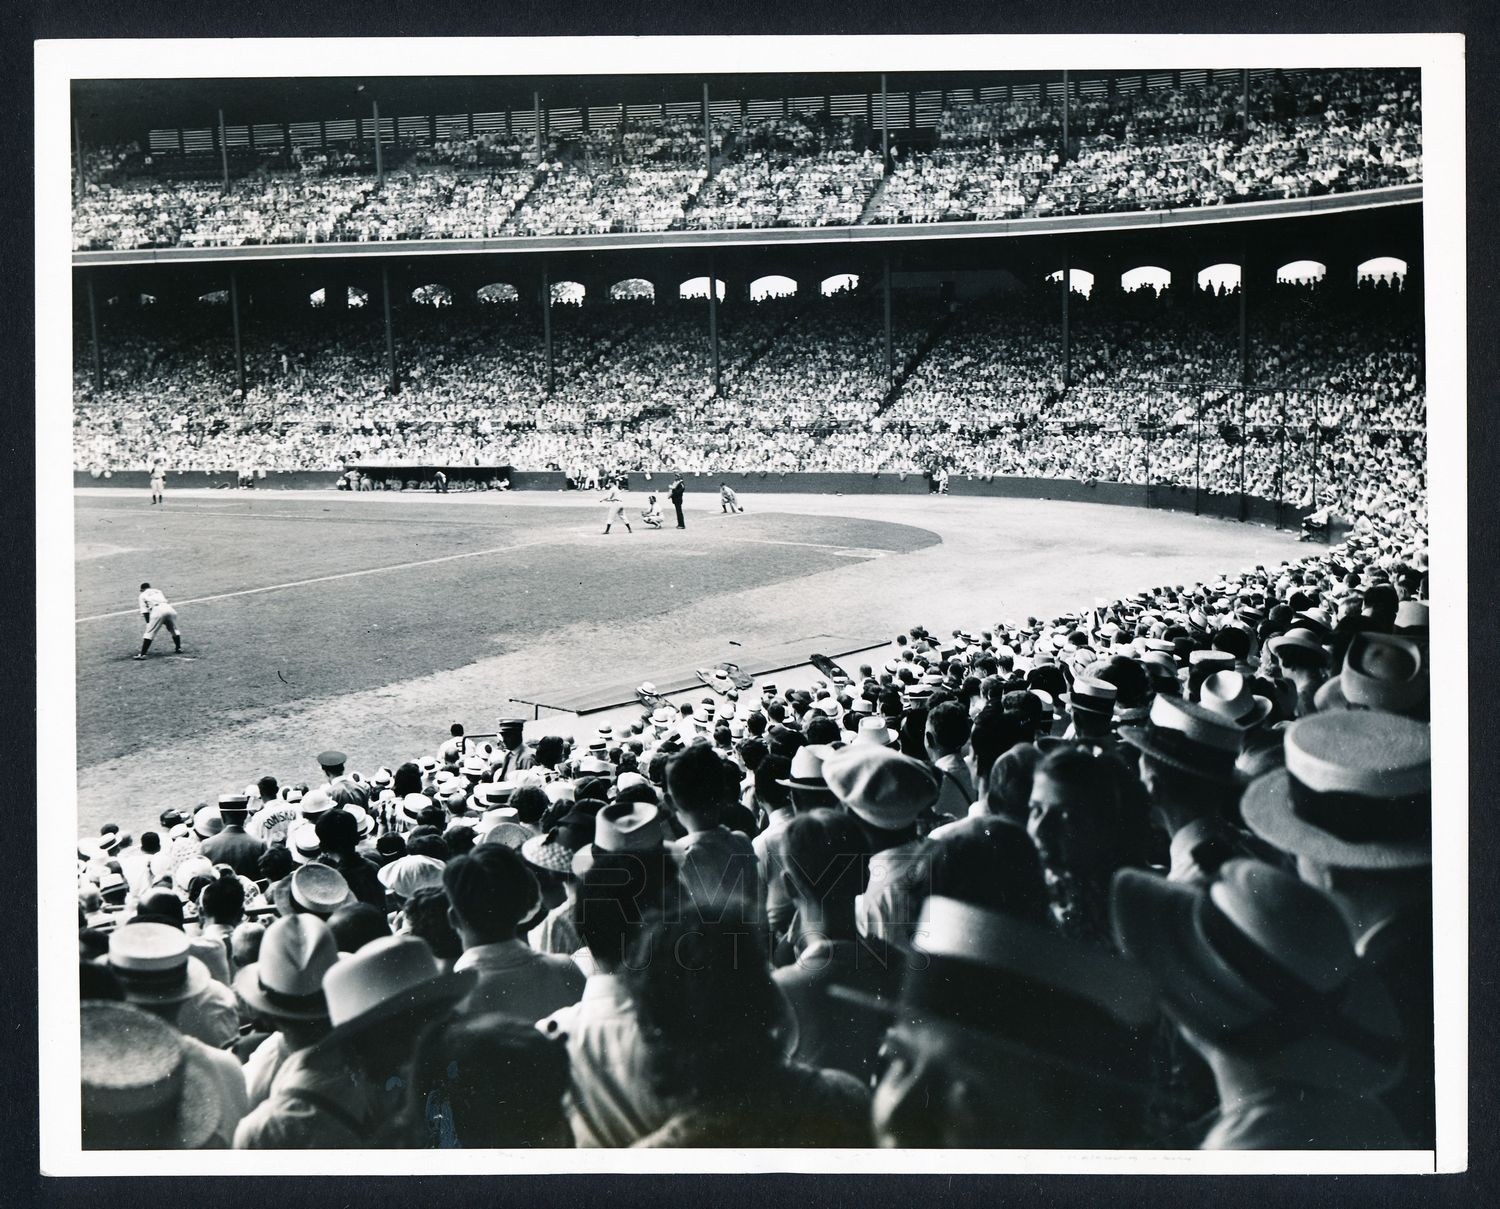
491 892
1008 1036
146 1086
610 1101
313 889
1187 764
283 993
348 1090
886 792
163 906
1380 672
1258 971
159 974
1353 805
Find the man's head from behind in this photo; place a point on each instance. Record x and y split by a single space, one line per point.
696 784
490 892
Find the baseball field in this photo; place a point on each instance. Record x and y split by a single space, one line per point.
371 622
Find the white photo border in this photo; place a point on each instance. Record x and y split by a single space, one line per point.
58 63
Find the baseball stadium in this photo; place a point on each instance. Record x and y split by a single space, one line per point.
964 532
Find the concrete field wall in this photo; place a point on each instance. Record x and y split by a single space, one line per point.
1132 495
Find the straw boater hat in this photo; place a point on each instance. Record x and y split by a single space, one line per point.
384 979
1356 792
303 843
1189 738
1260 964
1381 672
621 827
1093 695
153 965
140 1089
1229 695
979 965
287 980
315 802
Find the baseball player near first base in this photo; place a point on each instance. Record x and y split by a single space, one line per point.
158 484
157 613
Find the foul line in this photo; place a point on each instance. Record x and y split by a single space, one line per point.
323 579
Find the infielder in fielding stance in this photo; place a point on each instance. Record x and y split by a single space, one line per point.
156 613
158 484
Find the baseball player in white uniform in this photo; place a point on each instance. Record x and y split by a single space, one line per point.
158 484
156 613
616 512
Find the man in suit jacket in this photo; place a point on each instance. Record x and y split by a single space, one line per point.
675 495
233 846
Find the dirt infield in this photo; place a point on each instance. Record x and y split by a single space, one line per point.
371 622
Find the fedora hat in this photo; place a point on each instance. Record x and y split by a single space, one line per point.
1187 737
874 732
314 889
881 786
1356 792
207 821
1089 693
1411 617
621 827
1381 672
977 964
385 978
139 1087
1299 638
806 771
153 964
1261 964
287 981
1315 619
1229 695
315 802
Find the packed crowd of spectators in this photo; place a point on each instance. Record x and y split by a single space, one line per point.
1161 146
1151 874
1335 403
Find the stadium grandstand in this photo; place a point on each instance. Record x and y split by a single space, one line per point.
1151 870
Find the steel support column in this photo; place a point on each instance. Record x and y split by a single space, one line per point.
88 278
390 331
234 318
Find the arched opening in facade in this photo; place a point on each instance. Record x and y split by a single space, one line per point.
1080 281
1389 269
432 295
839 283
568 293
772 286
1217 277
497 292
632 289
1146 277
1302 272
353 295
697 287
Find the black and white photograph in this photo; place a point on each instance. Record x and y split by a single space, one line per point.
753 598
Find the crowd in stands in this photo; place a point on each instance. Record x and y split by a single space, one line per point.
1335 402
1155 874
1163 146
